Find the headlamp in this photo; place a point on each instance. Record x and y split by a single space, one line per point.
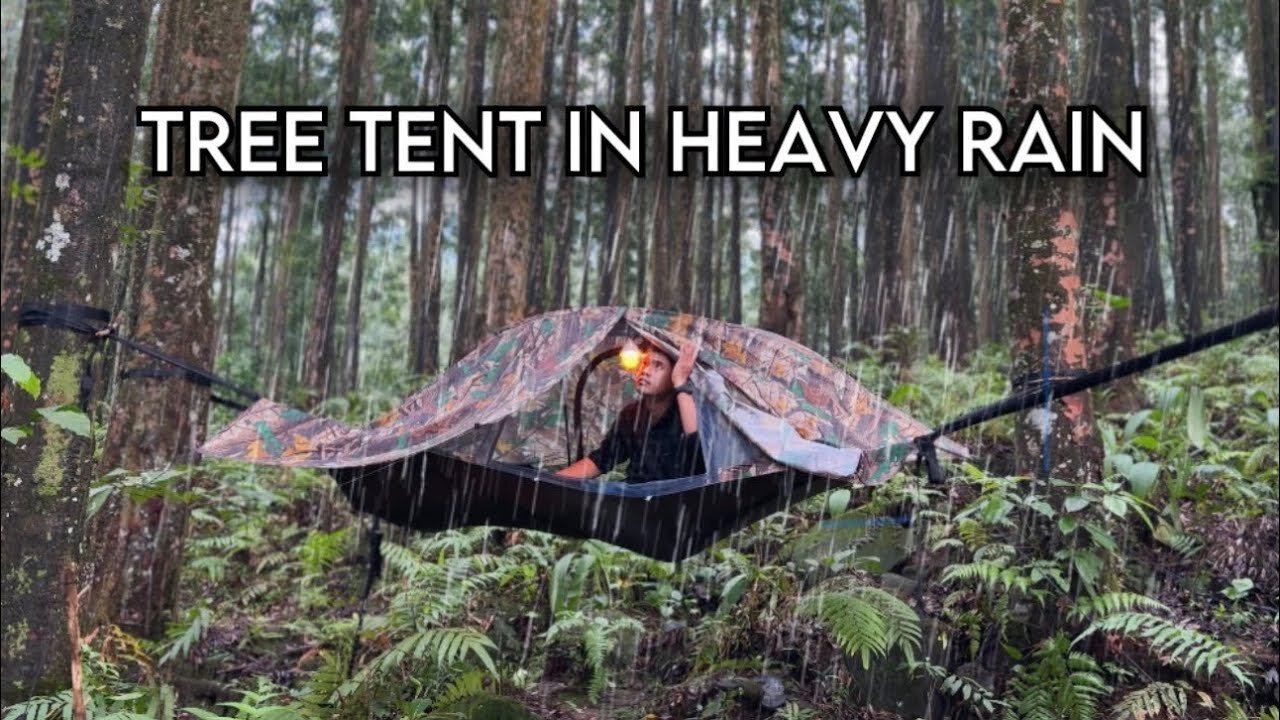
631 356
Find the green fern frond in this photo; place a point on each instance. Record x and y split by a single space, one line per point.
866 622
1157 700
1114 602
1188 647
1058 685
446 646
466 685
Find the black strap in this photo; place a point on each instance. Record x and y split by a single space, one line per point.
96 322
1036 395
375 570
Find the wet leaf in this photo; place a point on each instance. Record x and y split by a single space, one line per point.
1197 433
1076 503
1114 505
14 434
67 418
18 371
1142 478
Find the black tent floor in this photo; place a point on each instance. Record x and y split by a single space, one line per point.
432 492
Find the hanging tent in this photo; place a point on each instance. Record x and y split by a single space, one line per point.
480 445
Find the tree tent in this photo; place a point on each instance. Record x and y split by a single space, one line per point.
480 445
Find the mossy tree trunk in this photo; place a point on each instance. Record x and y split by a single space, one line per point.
1261 29
158 424
1043 247
72 240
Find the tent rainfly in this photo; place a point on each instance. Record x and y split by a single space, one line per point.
480 445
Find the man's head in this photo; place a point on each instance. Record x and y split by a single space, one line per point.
653 377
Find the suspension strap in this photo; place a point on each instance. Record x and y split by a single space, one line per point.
96 323
1052 388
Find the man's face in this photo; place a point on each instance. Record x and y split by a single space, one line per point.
654 375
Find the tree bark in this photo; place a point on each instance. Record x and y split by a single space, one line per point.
523 34
1045 282
1261 29
473 200
72 236
1186 151
317 360
160 423
355 288
781 288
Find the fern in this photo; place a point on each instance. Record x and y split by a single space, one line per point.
466 685
1159 699
1114 602
1059 685
446 646
866 622
199 620
1188 647
39 708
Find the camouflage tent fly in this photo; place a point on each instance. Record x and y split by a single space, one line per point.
479 446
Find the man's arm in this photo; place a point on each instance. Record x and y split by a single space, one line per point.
680 375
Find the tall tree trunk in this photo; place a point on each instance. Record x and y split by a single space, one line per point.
563 207
1044 253
1111 208
256 320
540 151
739 44
157 424
523 34
74 229
290 213
948 288
686 190
1144 248
317 361
426 274
835 231
355 288
882 303
628 52
473 200
1215 250
1262 28
781 294
660 288
1186 152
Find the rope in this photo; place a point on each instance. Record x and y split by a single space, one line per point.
1054 389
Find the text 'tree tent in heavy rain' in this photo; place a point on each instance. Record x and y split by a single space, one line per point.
479 446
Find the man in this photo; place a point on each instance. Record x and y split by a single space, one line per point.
656 435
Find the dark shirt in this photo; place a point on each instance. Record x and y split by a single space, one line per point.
659 451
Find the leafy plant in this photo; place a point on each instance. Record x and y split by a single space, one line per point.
866 622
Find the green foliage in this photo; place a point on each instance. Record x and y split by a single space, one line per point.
183 638
866 622
1178 644
1155 700
1057 685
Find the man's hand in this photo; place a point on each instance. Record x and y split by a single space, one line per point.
683 369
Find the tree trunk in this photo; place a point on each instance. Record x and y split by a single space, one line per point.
948 289
523 34
290 213
660 285
473 199
1045 283
781 294
1186 151
160 423
1111 208
687 190
1215 250
74 231
540 151
563 207
1262 28
739 44
1145 247
317 360
628 52
355 288
882 303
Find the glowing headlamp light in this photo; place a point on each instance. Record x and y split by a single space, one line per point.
631 356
